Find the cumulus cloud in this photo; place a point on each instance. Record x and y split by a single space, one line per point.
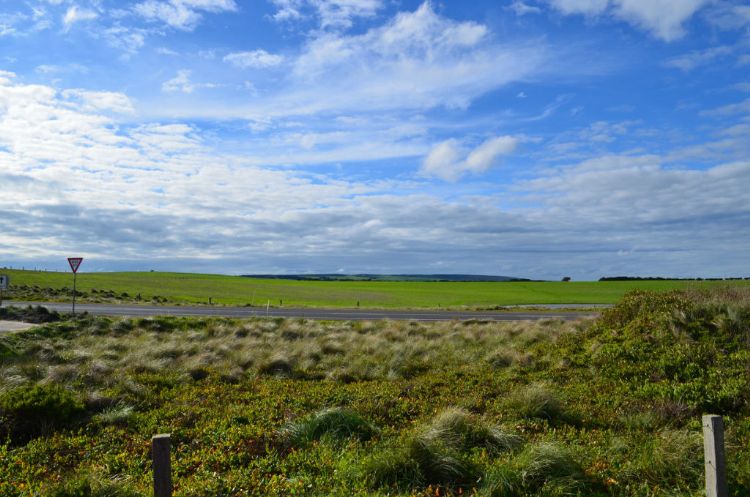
182 14
664 19
254 58
449 161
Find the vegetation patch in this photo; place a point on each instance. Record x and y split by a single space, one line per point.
606 407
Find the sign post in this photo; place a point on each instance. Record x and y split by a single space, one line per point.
4 282
75 263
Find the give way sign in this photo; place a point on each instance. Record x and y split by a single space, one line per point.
75 263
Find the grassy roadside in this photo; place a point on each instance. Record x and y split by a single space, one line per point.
292 407
181 288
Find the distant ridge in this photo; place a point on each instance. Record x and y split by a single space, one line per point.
387 277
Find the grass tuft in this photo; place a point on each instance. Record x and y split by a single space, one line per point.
535 401
335 423
462 431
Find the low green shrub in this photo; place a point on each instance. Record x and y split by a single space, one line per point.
31 410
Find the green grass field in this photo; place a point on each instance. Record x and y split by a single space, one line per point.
234 290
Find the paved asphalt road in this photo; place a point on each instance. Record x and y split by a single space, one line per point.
332 314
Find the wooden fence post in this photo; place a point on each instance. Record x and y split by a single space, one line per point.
162 465
713 449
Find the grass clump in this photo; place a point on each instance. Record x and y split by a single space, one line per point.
536 401
439 453
118 414
335 423
544 469
92 486
420 462
457 429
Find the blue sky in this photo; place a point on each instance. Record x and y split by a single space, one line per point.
533 138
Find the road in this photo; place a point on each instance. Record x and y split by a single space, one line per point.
328 314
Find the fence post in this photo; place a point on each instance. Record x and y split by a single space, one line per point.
713 449
160 449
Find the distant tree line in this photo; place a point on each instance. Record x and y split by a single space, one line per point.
659 278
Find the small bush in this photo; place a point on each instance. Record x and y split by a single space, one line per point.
335 423
32 410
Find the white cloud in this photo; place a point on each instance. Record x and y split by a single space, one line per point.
727 15
127 39
418 59
75 14
166 51
585 7
415 61
254 58
6 30
697 58
449 161
330 13
522 9
182 83
729 109
182 14
158 192
99 101
662 18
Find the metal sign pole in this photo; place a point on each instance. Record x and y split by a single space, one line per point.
74 293
75 263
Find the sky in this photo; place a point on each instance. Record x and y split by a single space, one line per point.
529 138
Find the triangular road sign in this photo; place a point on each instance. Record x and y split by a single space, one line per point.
75 263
